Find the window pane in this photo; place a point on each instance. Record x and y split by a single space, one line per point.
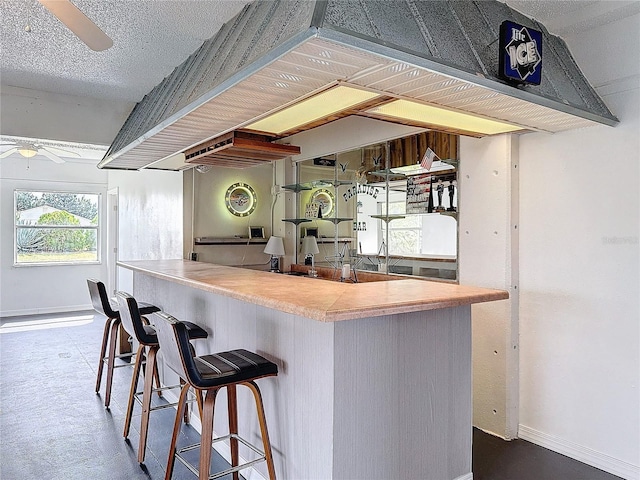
46 245
56 208
36 244
403 242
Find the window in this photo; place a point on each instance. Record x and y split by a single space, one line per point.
56 228
405 234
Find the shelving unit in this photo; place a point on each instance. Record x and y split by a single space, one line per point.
334 183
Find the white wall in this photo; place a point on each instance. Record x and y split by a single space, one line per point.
150 227
213 219
488 180
150 204
44 289
579 264
45 115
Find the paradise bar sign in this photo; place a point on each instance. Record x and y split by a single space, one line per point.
520 53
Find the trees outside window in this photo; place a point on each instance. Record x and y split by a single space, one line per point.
405 234
56 227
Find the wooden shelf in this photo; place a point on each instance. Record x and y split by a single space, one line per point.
239 150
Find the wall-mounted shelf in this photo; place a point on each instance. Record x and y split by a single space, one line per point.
297 187
333 220
306 186
449 214
388 174
334 183
336 220
297 221
229 241
388 218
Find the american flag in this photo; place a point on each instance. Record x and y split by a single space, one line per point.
428 158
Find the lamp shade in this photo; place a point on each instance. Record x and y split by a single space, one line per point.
309 245
275 246
27 152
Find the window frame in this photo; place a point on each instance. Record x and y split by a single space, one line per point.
97 228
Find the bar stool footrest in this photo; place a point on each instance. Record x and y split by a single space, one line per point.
262 457
138 397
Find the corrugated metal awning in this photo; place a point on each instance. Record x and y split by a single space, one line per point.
274 53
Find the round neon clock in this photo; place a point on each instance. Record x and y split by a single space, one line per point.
324 198
240 199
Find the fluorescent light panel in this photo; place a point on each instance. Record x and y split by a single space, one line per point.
314 108
430 115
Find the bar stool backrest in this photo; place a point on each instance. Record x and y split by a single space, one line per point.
177 352
132 320
100 299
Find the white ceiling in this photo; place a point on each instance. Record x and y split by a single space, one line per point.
152 37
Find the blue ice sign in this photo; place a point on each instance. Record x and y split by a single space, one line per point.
520 53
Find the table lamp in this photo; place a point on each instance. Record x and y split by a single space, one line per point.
309 249
275 248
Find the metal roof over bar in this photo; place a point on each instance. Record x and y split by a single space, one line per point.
276 52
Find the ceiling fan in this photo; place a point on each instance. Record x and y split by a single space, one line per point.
28 150
79 24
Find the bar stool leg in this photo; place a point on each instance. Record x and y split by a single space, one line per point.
176 431
263 428
156 375
200 403
113 338
206 438
134 387
232 404
103 350
146 401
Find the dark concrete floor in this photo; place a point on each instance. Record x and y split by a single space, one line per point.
53 426
496 459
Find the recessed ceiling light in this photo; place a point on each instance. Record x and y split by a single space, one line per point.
435 116
322 105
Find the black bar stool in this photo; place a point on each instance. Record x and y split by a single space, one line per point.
208 374
102 304
138 327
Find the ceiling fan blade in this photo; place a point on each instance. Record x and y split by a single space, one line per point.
50 156
60 151
79 24
9 152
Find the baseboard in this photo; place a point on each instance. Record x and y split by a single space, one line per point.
468 476
581 453
45 311
221 447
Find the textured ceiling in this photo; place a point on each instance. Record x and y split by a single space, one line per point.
565 17
149 39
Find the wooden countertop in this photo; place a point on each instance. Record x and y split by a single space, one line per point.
322 300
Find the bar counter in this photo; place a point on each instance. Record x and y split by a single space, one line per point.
374 378
323 300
